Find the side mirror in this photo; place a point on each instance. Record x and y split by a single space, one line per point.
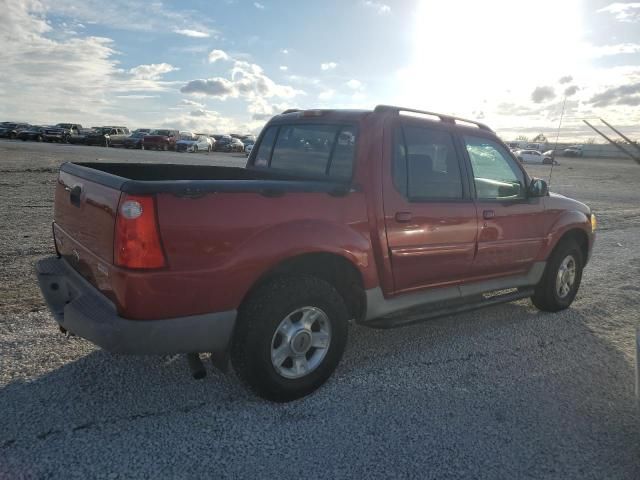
538 188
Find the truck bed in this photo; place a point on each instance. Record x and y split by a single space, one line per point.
145 178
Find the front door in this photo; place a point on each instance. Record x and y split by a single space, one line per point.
430 217
511 225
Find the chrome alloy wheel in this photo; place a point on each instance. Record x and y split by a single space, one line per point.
300 342
566 276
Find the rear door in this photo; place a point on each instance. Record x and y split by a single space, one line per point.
430 217
511 225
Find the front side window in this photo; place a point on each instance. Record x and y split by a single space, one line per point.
495 174
426 165
316 150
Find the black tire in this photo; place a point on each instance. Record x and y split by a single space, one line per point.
546 296
165 147
258 320
195 149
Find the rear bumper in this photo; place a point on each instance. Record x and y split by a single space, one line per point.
82 310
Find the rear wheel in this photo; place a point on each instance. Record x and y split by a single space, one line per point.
561 279
195 149
165 147
290 337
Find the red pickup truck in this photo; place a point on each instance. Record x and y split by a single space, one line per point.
385 217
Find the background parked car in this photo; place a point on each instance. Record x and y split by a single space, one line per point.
62 132
227 143
142 130
107 136
248 148
134 140
222 143
573 151
236 145
211 141
81 138
11 130
195 143
532 156
33 133
161 139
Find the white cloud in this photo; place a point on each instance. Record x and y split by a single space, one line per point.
542 94
623 12
133 15
216 55
284 68
379 7
262 110
136 97
190 103
152 71
187 32
258 5
326 94
618 49
284 51
355 84
328 66
247 80
46 75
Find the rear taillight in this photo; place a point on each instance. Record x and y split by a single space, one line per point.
137 239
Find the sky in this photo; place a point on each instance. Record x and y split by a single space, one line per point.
225 66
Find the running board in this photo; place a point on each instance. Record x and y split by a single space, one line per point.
449 307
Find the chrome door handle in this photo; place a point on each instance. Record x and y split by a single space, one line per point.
403 217
488 214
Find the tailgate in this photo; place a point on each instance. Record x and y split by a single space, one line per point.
85 211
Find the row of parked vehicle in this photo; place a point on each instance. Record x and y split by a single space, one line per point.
120 136
533 153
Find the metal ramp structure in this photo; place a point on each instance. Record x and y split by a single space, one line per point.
635 148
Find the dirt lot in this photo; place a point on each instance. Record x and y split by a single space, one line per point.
506 392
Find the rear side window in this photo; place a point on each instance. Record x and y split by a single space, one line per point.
315 150
426 165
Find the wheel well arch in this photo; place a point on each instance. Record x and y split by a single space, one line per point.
580 237
333 268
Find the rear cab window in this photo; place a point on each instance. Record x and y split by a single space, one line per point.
308 149
426 166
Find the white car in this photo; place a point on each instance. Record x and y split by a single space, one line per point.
533 156
248 148
193 143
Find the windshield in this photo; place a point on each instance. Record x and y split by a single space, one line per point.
161 132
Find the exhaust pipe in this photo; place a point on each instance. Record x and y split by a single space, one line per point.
195 365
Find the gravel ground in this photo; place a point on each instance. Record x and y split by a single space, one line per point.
504 392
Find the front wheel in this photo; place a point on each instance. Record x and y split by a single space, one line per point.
290 337
195 149
561 278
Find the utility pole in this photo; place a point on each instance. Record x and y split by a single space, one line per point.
620 133
617 145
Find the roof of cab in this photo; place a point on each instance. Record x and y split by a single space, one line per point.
353 115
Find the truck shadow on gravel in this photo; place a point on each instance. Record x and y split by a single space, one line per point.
509 373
